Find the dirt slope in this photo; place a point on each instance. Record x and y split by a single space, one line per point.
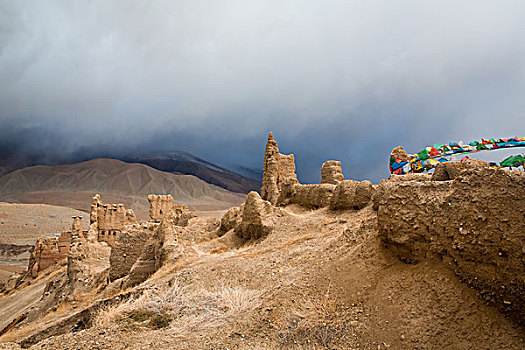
119 182
321 279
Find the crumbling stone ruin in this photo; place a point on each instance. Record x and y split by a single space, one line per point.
331 172
469 215
50 250
110 220
350 194
278 171
281 187
160 205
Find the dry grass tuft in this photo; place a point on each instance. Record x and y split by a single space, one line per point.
185 311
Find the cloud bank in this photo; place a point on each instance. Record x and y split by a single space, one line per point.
346 80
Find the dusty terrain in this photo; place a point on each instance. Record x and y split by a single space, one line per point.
320 280
417 262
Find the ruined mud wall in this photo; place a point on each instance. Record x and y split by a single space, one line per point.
350 194
312 196
331 172
110 219
160 205
127 249
475 222
256 218
281 187
50 250
278 170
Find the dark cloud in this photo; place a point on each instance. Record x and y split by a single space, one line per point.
344 80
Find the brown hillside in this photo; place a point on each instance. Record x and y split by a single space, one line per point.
129 183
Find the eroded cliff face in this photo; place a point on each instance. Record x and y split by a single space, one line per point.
475 222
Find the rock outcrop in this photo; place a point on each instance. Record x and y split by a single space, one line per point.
256 219
278 171
475 222
331 172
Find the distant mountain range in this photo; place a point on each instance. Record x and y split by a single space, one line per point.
73 185
180 162
177 162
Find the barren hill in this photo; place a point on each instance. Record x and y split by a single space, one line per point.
179 162
73 186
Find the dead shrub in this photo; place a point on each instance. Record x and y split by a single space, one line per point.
184 310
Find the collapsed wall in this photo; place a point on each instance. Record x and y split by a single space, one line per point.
475 222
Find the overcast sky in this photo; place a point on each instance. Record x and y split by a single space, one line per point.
346 80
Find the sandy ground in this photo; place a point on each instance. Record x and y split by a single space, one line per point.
320 280
24 223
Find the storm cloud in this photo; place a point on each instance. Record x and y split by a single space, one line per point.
345 80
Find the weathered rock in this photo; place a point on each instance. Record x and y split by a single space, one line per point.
278 170
351 194
257 221
476 222
331 172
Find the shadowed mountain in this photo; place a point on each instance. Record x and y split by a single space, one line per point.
176 162
73 186
180 162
